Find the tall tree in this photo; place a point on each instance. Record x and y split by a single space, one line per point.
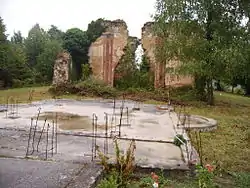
76 42
34 43
17 38
197 33
55 33
95 29
4 50
46 60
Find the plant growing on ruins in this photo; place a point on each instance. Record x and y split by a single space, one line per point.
124 163
205 176
179 140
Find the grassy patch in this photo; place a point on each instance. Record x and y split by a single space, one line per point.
229 144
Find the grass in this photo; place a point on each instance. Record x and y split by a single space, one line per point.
39 93
229 144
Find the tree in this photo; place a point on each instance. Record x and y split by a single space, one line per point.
46 60
35 43
17 66
55 34
4 50
17 38
4 47
76 42
198 33
95 29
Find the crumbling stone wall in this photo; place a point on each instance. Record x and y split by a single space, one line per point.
149 42
162 78
61 69
106 51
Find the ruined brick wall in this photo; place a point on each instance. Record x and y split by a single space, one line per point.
176 80
106 51
149 42
61 69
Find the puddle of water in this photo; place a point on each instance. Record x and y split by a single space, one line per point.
68 121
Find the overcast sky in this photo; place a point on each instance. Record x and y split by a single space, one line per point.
23 14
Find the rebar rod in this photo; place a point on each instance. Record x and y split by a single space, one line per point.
201 158
34 135
120 124
93 129
95 132
47 142
56 134
41 135
106 133
27 151
52 137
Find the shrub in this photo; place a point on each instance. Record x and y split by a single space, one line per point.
205 176
124 166
95 87
89 87
179 140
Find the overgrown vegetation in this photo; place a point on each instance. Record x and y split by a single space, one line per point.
120 172
210 39
30 61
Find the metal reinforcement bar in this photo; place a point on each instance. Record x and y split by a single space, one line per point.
120 138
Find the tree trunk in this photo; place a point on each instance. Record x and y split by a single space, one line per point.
248 87
232 89
200 85
210 93
209 37
218 86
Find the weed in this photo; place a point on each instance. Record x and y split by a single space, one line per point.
124 163
242 180
205 176
179 140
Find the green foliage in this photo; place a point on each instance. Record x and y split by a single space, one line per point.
46 60
93 87
205 178
18 67
55 34
110 181
17 38
129 76
204 36
86 71
179 140
35 43
243 180
76 43
4 47
95 29
124 164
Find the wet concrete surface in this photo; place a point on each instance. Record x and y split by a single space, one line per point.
20 173
146 124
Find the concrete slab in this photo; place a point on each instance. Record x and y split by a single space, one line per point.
17 173
148 123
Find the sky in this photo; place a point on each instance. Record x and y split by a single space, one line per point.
23 14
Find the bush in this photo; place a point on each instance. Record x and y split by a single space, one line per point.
179 140
123 168
89 87
93 87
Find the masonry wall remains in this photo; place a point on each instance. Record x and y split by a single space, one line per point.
106 51
61 69
162 78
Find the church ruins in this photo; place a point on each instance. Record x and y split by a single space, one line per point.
106 52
